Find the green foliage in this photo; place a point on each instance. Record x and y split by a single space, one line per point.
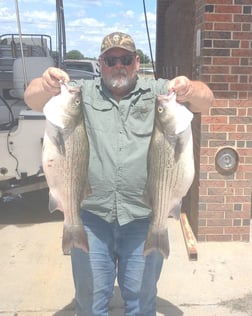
144 59
74 54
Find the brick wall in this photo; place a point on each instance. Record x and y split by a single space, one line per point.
224 28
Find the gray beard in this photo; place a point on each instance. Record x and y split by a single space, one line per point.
120 81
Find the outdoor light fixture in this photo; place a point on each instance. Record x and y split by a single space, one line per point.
226 161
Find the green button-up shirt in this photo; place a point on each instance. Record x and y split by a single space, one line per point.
119 136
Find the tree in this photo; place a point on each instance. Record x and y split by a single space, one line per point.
74 54
144 59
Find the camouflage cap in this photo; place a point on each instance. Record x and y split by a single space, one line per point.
118 39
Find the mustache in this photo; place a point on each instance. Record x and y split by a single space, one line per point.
117 72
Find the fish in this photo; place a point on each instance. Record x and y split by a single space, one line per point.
65 159
170 169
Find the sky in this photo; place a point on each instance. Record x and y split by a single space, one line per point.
87 21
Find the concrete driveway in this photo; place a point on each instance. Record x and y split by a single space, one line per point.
36 277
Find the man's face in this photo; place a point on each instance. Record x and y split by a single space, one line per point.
119 68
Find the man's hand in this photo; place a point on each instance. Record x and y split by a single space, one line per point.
181 86
41 89
51 80
196 93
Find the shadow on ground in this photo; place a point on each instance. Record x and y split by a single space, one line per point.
164 307
27 209
68 310
243 304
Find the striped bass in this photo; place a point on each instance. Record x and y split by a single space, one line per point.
65 162
170 169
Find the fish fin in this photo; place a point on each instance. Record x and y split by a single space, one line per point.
179 148
176 211
60 143
74 236
176 142
53 203
157 240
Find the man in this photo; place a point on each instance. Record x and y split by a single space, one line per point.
119 115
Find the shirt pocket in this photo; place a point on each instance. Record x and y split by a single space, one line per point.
98 115
141 116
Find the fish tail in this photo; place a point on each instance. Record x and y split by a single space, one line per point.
157 240
74 236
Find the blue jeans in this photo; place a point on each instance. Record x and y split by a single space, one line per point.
115 251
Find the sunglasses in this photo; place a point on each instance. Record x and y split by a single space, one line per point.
125 60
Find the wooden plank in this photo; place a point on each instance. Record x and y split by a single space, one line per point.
190 240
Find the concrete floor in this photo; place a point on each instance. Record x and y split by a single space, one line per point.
36 278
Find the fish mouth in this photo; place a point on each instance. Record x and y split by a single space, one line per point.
69 88
171 95
164 101
168 97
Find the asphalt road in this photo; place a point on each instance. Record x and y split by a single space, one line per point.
36 278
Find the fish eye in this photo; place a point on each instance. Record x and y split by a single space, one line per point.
77 101
160 109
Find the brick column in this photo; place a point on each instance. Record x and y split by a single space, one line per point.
223 59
